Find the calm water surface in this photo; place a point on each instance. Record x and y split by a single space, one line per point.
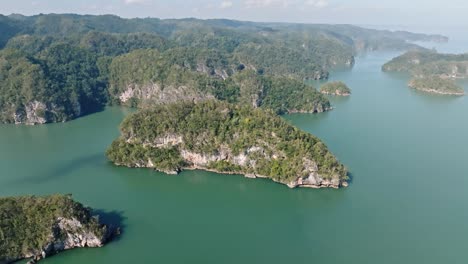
407 153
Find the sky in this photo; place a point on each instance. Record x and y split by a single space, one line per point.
394 13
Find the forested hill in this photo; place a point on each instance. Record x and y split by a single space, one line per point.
228 34
57 67
429 63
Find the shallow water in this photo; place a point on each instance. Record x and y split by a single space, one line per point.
407 153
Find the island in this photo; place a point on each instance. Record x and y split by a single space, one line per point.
225 138
335 88
436 85
34 227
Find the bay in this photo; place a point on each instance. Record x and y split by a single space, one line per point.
406 151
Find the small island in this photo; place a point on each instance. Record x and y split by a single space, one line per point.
225 138
36 227
436 85
335 88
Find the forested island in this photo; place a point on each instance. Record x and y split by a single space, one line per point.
436 85
429 62
57 67
432 72
225 138
37 227
335 88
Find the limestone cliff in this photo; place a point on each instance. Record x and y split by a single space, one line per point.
37 227
155 94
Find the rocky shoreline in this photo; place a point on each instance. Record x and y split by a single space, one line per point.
320 109
298 183
434 91
453 91
34 228
72 236
337 93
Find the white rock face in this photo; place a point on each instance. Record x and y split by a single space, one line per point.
32 109
158 94
201 160
167 141
246 160
76 235
32 114
67 234
221 73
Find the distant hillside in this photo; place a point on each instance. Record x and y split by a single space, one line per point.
58 67
436 85
424 63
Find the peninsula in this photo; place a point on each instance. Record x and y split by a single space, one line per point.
436 85
225 138
36 227
335 88
422 63
432 72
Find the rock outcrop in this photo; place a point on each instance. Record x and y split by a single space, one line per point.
38 227
68 234
155 94
248 158
33 113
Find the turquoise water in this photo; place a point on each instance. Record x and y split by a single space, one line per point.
406 151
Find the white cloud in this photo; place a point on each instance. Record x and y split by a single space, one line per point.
226 4
267 3
317 3
130 2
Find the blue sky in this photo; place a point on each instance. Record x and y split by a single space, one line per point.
360 12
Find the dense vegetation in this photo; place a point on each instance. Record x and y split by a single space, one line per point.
437 85
335 88
428 62
60 83
238 139
164 77
57 67
9 28
26 223
432 72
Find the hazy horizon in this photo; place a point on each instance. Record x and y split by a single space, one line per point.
446 30
423 15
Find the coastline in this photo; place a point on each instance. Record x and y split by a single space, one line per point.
435 91
336 93
298 183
